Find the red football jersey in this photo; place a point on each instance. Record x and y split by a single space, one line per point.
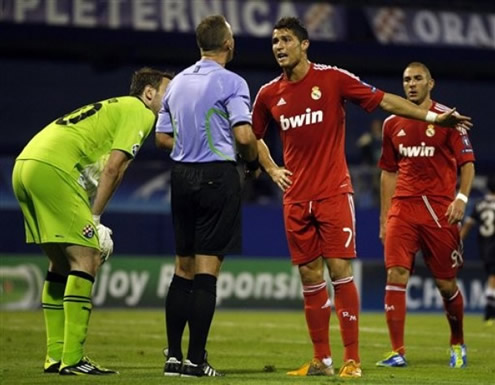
425 155
310 116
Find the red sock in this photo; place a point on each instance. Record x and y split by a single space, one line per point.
317 311
347 307
454 308
395 313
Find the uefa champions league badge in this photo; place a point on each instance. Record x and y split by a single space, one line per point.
135 149
88 231
315 93
430 130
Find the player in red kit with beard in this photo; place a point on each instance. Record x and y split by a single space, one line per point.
306 102
420 211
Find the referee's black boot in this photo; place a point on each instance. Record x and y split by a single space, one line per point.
204 369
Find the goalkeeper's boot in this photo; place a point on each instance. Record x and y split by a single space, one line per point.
350 369
204 369
173 366
458 356
85 367
314 368
393 360
51 365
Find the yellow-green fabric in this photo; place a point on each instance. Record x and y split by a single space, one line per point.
55 207
77 310
52 300
83 137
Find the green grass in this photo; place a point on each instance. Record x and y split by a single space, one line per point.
242 344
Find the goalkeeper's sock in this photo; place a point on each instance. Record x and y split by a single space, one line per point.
177 307
77 309
52 302
317 312
395 313
454 308
203 302
347 307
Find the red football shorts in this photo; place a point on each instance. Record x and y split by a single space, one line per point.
321 228
420 223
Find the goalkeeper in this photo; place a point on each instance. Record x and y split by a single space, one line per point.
79 158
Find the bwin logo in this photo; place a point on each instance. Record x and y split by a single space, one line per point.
415 151
310 117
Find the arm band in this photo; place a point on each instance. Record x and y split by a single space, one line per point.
462 197
431 117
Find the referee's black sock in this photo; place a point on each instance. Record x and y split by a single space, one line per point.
177 305
202 309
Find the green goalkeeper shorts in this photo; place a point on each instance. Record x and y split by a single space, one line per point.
56 208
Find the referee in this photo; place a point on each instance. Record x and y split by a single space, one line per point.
205 119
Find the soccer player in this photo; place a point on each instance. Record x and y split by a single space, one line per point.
81 154
203 126
421 211
483 215
307 104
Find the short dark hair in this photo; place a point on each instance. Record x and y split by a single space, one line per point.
147 76
421 65
295 25
490 183
211 33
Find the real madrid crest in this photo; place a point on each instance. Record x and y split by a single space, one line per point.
315 93
430 130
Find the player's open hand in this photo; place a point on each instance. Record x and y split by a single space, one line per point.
281 177
455 211
453 119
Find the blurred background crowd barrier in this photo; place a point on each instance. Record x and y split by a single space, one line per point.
56 55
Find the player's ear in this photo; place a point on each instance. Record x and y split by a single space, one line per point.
149 92
305 44
431 84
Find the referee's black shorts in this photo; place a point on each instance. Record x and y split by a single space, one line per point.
206 208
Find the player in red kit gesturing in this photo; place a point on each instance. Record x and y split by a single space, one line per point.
420 211
306 102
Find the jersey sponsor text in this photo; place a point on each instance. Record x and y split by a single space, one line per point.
416 151
310 117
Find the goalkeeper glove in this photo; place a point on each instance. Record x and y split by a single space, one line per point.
106 242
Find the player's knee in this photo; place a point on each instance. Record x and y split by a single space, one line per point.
310 276
340 268
447 288
399 275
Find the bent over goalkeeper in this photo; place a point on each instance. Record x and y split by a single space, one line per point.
78 159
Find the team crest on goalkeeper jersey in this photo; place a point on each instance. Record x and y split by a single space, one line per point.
88 231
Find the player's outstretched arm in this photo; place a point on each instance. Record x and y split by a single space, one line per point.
399 106
280 175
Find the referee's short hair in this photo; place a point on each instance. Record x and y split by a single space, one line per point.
212 32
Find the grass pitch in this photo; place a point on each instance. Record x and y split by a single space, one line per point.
251 347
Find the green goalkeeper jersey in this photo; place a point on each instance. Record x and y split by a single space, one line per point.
79 143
